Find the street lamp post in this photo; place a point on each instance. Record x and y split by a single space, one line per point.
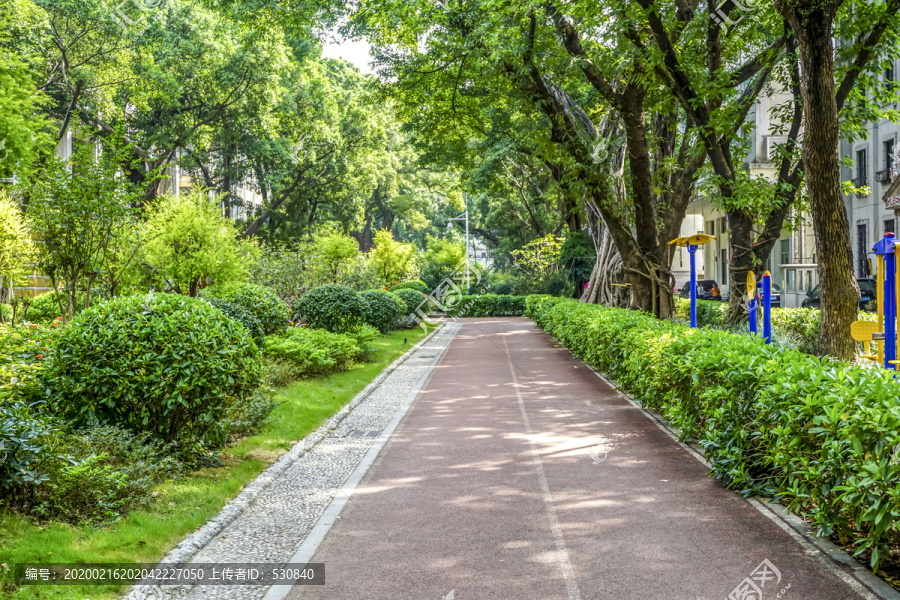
464 216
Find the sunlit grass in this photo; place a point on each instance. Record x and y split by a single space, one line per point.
149 533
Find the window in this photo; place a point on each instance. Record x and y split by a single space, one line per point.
862 246
711 227
889 77
723 225
889 225
888 154
724 264
861 168
786 251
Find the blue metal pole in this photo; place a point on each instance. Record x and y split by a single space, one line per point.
753 325
767 307
692 249
890 303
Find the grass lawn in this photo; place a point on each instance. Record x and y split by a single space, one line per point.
147 534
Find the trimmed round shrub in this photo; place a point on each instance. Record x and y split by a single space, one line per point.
416 285
382 309
159 363
261 301
242 315
411 300
335 308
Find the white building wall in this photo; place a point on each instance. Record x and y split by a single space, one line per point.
866 213
792 247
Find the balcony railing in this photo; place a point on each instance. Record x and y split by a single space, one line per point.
884 176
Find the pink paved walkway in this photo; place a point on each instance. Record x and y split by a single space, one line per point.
493 487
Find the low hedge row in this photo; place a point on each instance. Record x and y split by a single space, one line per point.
489 305
799 327
820 435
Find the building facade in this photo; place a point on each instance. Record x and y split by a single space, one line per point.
792 261
872 166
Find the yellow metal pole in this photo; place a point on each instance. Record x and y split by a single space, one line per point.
879 301
896 283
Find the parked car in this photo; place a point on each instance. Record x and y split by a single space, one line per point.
704 290
866 291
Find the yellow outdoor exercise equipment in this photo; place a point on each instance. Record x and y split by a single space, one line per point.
692 242
698 239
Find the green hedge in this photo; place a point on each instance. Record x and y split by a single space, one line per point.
489 305
411 300
818 434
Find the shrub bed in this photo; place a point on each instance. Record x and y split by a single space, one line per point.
816 433
242 315
489 305
313 351
163 364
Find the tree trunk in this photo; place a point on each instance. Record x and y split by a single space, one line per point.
608 268
226 184
839 292
364 237
742 262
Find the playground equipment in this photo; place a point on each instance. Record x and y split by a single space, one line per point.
692 242
751 301
882 334
767 305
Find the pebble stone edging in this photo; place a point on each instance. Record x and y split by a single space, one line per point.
198 540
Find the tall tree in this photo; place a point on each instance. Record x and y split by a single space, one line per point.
813 22
509 56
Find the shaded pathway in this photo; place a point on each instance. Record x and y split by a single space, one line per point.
518 473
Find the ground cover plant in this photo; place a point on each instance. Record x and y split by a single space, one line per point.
314 351
816 433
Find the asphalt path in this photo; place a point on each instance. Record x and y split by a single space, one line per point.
519 473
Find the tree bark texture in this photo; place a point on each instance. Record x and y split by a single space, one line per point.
811 22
